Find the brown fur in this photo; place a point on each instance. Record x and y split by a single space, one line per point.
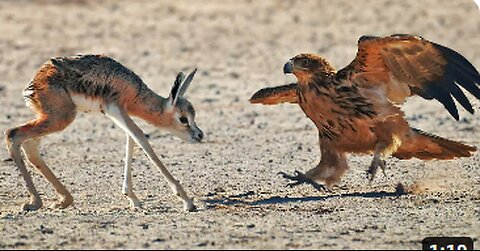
64 85
98 76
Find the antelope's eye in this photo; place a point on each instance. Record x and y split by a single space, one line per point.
183 120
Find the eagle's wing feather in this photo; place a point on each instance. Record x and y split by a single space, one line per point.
276 95
405 65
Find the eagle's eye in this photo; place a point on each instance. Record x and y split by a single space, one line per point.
305 62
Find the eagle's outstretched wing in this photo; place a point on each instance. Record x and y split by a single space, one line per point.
405 65
276 95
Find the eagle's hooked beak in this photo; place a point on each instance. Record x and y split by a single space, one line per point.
288 67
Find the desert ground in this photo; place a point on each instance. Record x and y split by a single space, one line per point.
238 47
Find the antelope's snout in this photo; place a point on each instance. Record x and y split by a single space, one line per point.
196 135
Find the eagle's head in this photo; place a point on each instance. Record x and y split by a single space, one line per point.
304 66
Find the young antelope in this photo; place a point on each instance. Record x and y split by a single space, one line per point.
94 83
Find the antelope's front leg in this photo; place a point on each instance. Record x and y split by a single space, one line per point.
127 181
121 118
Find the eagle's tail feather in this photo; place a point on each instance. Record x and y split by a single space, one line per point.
426 146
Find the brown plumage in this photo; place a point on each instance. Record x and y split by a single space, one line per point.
357 109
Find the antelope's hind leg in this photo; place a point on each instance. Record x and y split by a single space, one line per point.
13 141
30 148
56 111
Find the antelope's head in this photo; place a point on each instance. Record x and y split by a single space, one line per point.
182 122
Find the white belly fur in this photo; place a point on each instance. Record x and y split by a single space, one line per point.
88 104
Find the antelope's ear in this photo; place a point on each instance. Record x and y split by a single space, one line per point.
174 93
276 95
187 82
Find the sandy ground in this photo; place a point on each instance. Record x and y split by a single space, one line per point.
239 47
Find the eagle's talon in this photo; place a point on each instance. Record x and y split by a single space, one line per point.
321 187
370 175
301 178
286 176
293 184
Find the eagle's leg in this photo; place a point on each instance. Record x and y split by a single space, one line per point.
301 178
331 168
377 162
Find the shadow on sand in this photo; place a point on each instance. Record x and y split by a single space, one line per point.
242 199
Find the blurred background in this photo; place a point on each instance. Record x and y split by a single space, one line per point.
222 38
238 46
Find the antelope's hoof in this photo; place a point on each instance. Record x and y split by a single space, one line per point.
135 204
32 206
190 207
62 204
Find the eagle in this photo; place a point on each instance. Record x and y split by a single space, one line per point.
358 108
